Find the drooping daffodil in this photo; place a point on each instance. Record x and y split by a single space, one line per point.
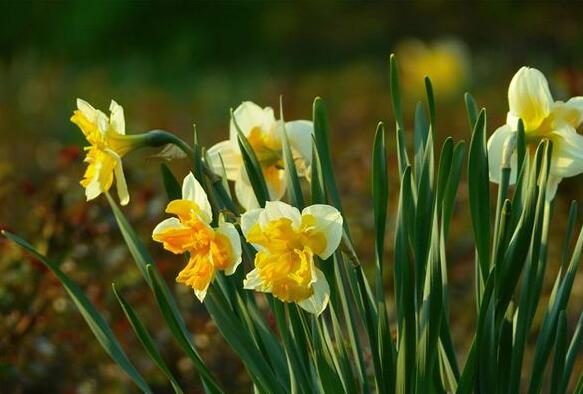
287 242
210 249
264 134
530 99
107 145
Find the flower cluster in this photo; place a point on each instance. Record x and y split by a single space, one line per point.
287 241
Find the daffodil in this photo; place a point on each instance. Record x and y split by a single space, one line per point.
108 144
446 62
210 249
287 242
264 133
530 99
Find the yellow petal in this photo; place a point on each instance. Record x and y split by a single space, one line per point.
529 97
198 274
174 236
98 176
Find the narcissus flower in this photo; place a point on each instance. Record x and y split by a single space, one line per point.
530 99
108 144
210 249
287 242
263 132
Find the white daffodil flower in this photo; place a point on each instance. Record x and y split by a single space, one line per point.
530 99
287 242
263 132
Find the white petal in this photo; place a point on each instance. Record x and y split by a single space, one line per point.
570 112
276 188
193 191
87 110
201 294
229 231
275 210
248 116
317 303
299 133
253 282
567 155
552 186
116 119
328 222
250 219
496 144
167 224
244 192
529 97
120 183
231 159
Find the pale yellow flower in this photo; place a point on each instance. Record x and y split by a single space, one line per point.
530 99
446 62
210 249
108 144
263 132
287 241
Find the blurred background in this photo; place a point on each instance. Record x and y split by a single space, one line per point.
174 65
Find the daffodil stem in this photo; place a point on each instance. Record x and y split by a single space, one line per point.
156 138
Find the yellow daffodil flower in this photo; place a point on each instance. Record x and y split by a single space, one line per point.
108 144
446 62
263 132
287 241
530 99
210 249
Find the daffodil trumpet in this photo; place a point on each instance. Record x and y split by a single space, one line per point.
287 242
210 249
263 132
530 100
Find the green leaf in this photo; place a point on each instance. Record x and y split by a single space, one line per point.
472 109
252 166
238 338
451 187
420 136
430 103
430 318
322 138
145 339
94 320
405 290
572 353
395 93
380 193
468 378
479 193
560 354
293 181
557 302
178 329
173 189
571 221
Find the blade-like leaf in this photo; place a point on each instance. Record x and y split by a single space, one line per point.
146 339
94 320
479 193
